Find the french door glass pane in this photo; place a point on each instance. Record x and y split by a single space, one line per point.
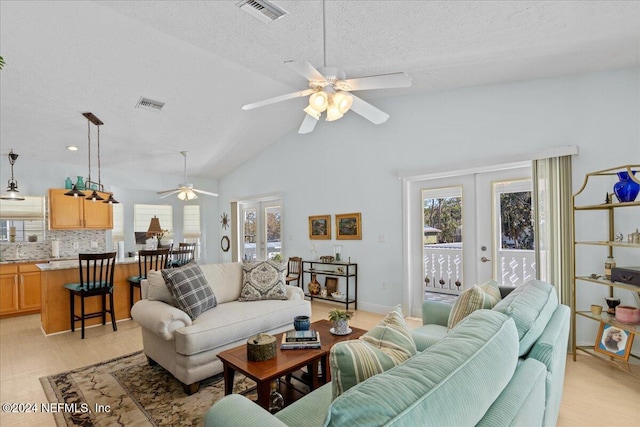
442 237
249 233
273 226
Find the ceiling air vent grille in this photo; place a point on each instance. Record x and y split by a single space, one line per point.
262 9
149 104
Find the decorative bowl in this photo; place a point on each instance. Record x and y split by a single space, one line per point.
627 314
327 258
338 295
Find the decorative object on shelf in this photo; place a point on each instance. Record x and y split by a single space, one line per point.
618 237
634 237
612 303
607 199
340 319
12 234
626 189
627 314
326 258
337 249
596 309
224 220
261 347
76 190
608 265
68 184
338 295
12 185
320 227
614 341
313 286
225 244
323 292
301 323
339 270
33 238
349 226
630 275
331 284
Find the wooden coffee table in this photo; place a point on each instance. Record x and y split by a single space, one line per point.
285 362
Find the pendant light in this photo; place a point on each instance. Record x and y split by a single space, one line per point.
12 185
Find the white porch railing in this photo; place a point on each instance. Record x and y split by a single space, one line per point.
443 268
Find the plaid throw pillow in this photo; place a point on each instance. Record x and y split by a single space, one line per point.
190 289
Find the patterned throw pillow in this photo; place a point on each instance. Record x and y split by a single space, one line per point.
263 280
474 298
386 345
190 289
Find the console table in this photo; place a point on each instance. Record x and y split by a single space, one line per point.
328 269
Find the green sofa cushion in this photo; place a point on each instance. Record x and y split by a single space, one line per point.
421 390
476 297
531 306
386 345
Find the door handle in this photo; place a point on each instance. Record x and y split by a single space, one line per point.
485 259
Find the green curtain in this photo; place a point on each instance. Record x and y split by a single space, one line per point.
554 223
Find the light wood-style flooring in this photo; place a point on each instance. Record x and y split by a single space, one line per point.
594 392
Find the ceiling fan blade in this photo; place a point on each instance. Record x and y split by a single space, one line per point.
308 124
306 70
204 192
278 99
382 81
368 111
170 193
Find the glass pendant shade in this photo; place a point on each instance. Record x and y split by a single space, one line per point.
333 113
343 101
319 101
187 195
12 192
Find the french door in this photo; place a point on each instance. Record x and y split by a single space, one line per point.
468 229
261 229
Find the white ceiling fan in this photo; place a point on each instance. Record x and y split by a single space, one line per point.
185 191
330 91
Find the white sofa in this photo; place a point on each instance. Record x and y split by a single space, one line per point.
188 349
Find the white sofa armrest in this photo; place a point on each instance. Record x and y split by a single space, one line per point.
294 293
160 318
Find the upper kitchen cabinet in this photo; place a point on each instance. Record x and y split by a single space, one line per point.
75 213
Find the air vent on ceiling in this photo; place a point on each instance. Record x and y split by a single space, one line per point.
262 9
149 104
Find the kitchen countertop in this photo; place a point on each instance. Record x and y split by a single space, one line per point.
60 264
32 260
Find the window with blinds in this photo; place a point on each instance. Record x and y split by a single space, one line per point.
142 215
26 216
117 233
191 225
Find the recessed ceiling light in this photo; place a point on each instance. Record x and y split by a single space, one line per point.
72 148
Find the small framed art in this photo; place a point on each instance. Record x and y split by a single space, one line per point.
614 341
348 226
331 283
320 227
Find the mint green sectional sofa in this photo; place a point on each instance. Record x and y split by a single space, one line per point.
475 374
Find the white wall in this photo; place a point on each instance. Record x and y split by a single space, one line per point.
350 165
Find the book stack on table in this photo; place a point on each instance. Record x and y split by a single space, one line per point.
293 339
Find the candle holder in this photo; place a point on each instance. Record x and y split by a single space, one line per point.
337 249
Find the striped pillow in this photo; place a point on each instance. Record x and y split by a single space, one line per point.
471 300
386 345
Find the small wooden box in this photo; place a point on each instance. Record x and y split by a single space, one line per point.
629 275
261 347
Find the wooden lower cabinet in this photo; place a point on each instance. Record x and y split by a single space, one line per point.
19 289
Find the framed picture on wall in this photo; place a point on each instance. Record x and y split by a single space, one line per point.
320 227
614 341
348 226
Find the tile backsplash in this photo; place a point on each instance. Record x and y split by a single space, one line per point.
67 238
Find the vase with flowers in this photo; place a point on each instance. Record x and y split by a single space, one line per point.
340 319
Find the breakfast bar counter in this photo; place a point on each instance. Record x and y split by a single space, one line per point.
55 314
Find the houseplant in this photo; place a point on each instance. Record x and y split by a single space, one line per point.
340 319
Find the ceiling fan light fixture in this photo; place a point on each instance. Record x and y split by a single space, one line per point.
333 113
187 195
319 101
343 101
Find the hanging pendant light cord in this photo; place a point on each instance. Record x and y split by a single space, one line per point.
99 180
89 144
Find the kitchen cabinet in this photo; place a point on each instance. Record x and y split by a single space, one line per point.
19 289
77 213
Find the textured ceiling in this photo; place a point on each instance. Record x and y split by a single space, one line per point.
206 59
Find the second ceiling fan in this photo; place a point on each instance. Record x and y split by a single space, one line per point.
185 191
330 91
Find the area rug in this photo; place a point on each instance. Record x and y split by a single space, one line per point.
126 391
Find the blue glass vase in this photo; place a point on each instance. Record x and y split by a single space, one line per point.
626 189
68 184
79 184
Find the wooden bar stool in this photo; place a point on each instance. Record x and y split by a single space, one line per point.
181 256
96 279
155 259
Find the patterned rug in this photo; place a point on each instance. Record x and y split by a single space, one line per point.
126 391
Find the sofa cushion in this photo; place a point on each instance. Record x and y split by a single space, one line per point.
471 300
492 291
386 345
157 289
263 280
190 289
531 305
225 280
471 366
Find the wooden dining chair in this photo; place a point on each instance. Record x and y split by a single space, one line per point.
96 279
154 259
294 270
180 257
